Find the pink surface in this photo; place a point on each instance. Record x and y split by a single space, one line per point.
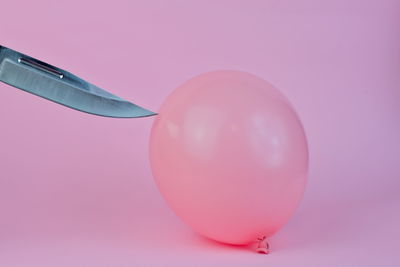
76 190
229 155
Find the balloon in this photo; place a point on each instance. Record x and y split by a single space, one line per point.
229 154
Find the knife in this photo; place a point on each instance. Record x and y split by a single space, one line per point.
57 85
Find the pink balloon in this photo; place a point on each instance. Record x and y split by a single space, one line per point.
229 155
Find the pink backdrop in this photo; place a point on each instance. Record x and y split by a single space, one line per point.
76 190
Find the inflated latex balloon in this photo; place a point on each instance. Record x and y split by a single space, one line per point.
229 155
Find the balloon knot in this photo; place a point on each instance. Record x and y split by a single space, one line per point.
263 246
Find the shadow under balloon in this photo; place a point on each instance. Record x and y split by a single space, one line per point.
208 243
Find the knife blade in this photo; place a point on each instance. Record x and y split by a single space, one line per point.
60 86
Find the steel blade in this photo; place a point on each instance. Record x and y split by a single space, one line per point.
60 86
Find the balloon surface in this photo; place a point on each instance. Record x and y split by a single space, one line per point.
229 154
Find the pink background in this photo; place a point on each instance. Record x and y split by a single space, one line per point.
76 190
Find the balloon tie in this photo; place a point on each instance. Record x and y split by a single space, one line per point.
263 246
